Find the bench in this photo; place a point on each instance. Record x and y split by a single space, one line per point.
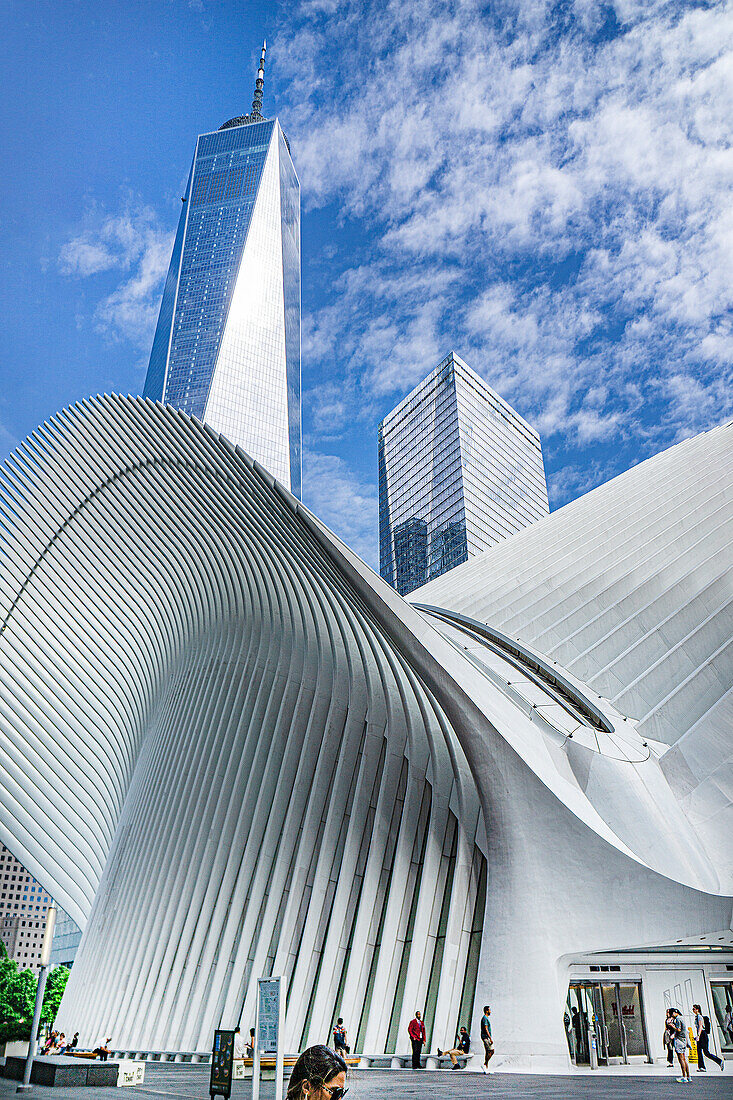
57 1070
242 1067
404 1061
433 1060
388 1061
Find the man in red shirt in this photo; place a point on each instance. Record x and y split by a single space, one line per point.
416 1031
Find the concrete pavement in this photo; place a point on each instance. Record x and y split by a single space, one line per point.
187 1082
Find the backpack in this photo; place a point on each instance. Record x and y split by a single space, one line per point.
706 1024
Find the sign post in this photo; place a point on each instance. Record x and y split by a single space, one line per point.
222 1063
269 1030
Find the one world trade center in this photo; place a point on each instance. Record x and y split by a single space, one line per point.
227 343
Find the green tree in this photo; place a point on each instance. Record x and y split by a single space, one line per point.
55 986
13 1024
18 997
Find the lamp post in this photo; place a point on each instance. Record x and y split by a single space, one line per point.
40 989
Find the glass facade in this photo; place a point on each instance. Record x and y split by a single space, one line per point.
227 344
66 940
459 470
722 993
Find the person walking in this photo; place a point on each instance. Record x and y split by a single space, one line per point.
668 1037
339 1038
416 1031
681 1044
702 1035
319 1074
461 1046
487 1039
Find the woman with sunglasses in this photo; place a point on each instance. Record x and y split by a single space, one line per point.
319 1074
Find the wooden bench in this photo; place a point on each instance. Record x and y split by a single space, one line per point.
243 1066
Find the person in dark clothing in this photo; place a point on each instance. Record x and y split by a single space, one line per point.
668 1037
103 1050
339 1038
461 1046
319 1074
416 1031
702 1035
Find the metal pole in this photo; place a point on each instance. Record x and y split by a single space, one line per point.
592 1048
40 989
280 1055
256 1051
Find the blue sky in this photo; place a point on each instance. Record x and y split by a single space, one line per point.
543 187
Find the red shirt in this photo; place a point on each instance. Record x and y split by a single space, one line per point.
416 1029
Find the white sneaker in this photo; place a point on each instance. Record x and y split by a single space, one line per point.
485 1069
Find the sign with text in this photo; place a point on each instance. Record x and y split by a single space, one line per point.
268 1017
222 1060
269 1030
130 1072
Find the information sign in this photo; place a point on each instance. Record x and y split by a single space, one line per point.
268 1017
269 1028
222 1061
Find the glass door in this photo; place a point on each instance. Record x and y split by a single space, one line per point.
723 1007
585 1010
614 1010
612 1027
632 1020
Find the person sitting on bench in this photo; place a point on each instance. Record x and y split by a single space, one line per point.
103 1050
463 1045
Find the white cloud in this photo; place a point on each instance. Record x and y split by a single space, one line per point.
8 442
472 141
346 503
82 256
134 247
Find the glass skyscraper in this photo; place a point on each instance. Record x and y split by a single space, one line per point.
227 344
459 470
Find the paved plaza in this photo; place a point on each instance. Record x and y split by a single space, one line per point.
193 1082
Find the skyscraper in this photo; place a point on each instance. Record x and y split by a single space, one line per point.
23 905
227 343
459 470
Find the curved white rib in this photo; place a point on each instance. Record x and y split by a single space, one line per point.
162 609
228 749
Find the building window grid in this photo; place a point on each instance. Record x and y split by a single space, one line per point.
492 473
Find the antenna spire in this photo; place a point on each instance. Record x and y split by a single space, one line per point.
259 85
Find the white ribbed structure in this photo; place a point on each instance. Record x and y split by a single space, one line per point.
630 588
194 698
229 749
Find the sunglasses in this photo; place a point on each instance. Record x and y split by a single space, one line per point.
335 1093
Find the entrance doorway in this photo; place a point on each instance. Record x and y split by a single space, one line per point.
723 1008
614 1012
